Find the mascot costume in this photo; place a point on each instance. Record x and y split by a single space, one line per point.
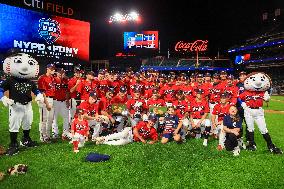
21 67
256 87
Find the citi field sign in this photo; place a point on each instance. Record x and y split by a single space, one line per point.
196 46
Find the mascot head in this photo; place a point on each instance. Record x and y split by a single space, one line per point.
21 65
257 81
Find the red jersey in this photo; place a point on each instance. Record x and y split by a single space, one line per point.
188 92
81 127
158 103
115 85
200 86
118 100
215 92
221 111
233 92
198 109
90 109
85 87
46 85
181 108
253 99
61 88
169 93
145 132
105 104
136 106
72 82
102 87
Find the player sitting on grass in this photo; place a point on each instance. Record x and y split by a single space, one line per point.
143 131
79 130
172 127
232 125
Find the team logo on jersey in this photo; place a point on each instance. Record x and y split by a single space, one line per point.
49 30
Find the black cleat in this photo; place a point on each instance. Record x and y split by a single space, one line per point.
251 147
12 150
27 142
275 150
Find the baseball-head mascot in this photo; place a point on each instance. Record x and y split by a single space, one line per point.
21 68
257 85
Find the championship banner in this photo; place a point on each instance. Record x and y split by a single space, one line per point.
158 110
43 34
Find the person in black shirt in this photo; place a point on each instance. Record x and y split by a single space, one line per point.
232 127
21 67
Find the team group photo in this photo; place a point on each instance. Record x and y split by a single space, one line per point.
125 106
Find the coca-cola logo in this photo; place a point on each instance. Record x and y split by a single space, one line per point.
198 45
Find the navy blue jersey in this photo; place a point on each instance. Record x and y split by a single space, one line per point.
171 123
228 122
241 87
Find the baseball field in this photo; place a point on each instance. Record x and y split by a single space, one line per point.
187 165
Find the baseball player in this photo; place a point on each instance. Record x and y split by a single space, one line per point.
79 130
21 67
87 86
61 104
143 131
252 98
218 113
92 109
73 84
46 111
136 107
172 127
198 112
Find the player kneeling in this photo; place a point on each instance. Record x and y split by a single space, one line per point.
172 127
143 131
232 125
79 131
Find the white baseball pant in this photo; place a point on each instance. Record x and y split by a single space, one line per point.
80 138
121 138
256 115
46 119
60 108
20 114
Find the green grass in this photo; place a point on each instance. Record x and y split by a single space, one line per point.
188 165
277 97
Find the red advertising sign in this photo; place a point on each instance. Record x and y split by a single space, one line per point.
198 45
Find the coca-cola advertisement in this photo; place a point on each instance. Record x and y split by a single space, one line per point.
198 45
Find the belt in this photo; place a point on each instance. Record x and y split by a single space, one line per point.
60 100
49 96
254 107
22 103
213 102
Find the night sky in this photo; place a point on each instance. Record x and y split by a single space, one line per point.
223 23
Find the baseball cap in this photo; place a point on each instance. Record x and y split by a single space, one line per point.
152 117
96 157
50 66
216 75
110 89
123 89
223 73
242 73
199 91
136 89
207 75
199 75
93 94
224 95
231 77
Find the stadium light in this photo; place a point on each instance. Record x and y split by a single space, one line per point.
121 18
